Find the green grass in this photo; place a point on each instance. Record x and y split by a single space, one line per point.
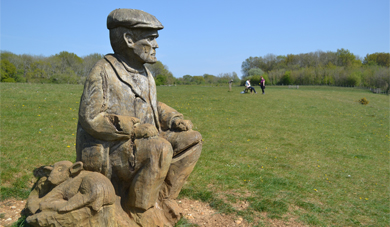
288 153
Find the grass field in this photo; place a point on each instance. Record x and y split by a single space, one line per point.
313 155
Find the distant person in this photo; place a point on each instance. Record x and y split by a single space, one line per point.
248 86
262 84
230 85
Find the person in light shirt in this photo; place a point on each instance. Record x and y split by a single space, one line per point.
248 86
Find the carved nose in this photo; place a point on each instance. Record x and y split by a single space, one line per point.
154 44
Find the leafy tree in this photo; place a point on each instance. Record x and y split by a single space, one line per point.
381 59
328 80
8 71
161 80
266 64
37 71
66 62
235 78
267 80
275 75
353 79
171 79
330 65
346 58
187 79
255 72
209 79
198 79
159 68
255 80
291 59
224 78
249 63
67 77
286 78
89 61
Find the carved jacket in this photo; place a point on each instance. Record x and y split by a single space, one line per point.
112 95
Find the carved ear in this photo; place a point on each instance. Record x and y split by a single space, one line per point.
47 170
128 39
76 168
43 171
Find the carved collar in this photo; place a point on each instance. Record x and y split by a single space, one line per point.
128 68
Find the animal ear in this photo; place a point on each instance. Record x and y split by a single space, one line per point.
43 171
76 168
47 170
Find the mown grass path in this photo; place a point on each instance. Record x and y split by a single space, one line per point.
314 153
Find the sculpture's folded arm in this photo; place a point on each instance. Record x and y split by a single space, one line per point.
166 115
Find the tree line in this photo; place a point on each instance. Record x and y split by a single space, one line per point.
66 67
340 68
208 79
164 77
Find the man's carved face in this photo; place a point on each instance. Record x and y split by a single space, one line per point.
146 45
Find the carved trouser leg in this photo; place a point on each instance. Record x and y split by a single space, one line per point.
152 160
187 146
181 168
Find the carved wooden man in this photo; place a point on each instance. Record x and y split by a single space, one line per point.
143 146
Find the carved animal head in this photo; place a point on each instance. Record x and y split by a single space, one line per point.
61 171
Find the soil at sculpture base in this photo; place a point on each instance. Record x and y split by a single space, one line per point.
195 212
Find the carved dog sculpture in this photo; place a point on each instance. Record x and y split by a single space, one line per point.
80 190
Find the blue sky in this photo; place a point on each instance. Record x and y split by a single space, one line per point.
202 36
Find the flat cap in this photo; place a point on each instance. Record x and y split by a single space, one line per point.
132 18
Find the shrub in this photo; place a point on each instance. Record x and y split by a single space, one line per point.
286 78
9 80
161 80
354 79
363 101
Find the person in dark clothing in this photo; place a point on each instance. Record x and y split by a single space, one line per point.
262 84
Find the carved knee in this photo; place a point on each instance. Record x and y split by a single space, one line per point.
156 150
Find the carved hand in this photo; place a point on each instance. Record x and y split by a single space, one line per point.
144 131
181 125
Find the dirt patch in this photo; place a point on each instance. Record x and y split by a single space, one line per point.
10 211
202 214
195 212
